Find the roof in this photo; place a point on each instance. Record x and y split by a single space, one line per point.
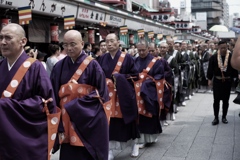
144 6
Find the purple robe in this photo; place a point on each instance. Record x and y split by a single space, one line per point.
87 114
122 129
149 94
23 124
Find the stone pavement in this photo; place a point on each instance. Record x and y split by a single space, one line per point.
192 137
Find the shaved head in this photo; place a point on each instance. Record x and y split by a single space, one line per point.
142 47
16 28
12 41
143 42
73 34
170 40
73 44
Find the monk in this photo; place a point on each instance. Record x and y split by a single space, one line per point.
81 91
23 122
119 69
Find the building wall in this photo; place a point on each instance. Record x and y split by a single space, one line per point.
225 13
214 10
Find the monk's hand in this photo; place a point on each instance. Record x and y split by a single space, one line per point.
74 81
47 101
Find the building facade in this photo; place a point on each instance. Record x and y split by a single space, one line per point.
213 8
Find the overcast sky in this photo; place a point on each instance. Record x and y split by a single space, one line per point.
234 5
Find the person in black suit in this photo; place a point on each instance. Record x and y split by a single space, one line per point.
220 74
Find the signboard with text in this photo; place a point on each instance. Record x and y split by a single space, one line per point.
90 15
52 7
114 20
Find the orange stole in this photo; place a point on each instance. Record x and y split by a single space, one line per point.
159 86
67 93
115 109
73 90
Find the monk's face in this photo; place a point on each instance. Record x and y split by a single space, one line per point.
177 47
184 46
11 41
142 50
112 43
170 44
152 50
73 44
163 49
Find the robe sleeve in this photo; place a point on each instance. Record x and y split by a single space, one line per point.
210 68
30 108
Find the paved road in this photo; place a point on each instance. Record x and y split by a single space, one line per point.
192 137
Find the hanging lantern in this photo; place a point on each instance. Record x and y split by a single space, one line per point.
91 36
131 38
54 30
5 20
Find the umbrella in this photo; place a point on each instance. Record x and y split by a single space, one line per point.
235 29
219 28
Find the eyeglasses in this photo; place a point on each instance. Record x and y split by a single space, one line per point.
6 37
65 45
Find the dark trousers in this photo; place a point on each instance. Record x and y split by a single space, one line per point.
221 91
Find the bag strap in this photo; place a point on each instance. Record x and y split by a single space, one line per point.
119 63
17 78
81 68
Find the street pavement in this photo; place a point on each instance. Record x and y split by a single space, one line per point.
192 137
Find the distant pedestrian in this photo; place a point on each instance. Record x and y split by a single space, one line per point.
54 50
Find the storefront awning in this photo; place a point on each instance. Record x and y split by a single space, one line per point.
144 6
113 1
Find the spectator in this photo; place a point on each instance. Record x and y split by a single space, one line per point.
54 50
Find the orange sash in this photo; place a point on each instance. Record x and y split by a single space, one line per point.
159 86
52 119
73 90
115 109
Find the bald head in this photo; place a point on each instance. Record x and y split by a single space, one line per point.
73 44
15 28
73 34
152 45
170 40
12 41
143 42
142 47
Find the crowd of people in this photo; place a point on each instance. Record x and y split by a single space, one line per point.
108 95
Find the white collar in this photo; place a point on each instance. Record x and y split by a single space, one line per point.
76 59
10 67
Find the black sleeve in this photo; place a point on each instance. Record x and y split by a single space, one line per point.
210 68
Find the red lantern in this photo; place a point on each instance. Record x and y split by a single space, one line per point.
91 36
5 21
54 32
131 38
